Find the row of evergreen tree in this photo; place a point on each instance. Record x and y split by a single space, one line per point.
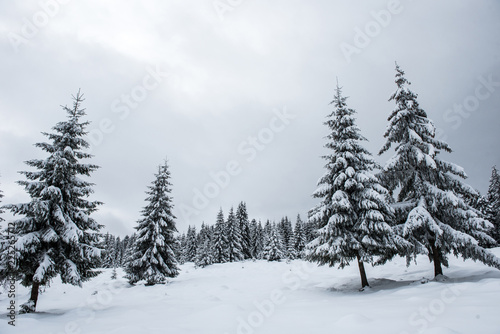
236 238
416 204
228 240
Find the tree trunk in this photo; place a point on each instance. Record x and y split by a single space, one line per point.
30 305
438 270
34 294
362 272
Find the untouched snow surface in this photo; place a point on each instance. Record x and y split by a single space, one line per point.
273 297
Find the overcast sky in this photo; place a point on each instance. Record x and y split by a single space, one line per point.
234 93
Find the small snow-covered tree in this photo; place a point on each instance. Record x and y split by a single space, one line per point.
191 244
179 248
300 240
233 233
220 242
129 251
492 205
353 212
204 255
109 254
56 235
153 259
285 230
204 252
436 217
273 249
244 226
257 239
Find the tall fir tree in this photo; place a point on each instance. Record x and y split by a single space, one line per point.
234 244
191 244
285 230
220 242
109 254
180 249
300 240
153 259
274 248
129 251
204 252
353 212
257 239
57 236
434 216
244 226
492 204
311 227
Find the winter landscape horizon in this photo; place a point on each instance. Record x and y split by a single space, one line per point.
243 167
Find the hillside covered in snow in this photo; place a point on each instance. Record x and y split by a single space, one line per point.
274 297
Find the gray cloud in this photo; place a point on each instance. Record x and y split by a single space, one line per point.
221 81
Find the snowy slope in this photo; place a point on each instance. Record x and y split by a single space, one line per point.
270 297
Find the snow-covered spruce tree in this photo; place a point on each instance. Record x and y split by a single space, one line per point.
492 205
129 251
435 218
311 227
257 239
57 236
273 249
153 259
244 226
234 246
204 252
109 254
286 231
353 212
179 248
299 238
191 244
220 239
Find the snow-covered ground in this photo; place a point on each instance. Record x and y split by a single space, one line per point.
273 297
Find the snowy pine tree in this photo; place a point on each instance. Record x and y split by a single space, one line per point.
153 259
57 236
234 243
353 212
257 239
179 248
300 240
273 249
285 230
244 226
191 244
220 240
204 252
204 255
109 253
435 217
492 205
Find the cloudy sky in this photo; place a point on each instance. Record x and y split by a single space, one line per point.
234 92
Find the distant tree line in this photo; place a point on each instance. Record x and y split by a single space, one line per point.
237 238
